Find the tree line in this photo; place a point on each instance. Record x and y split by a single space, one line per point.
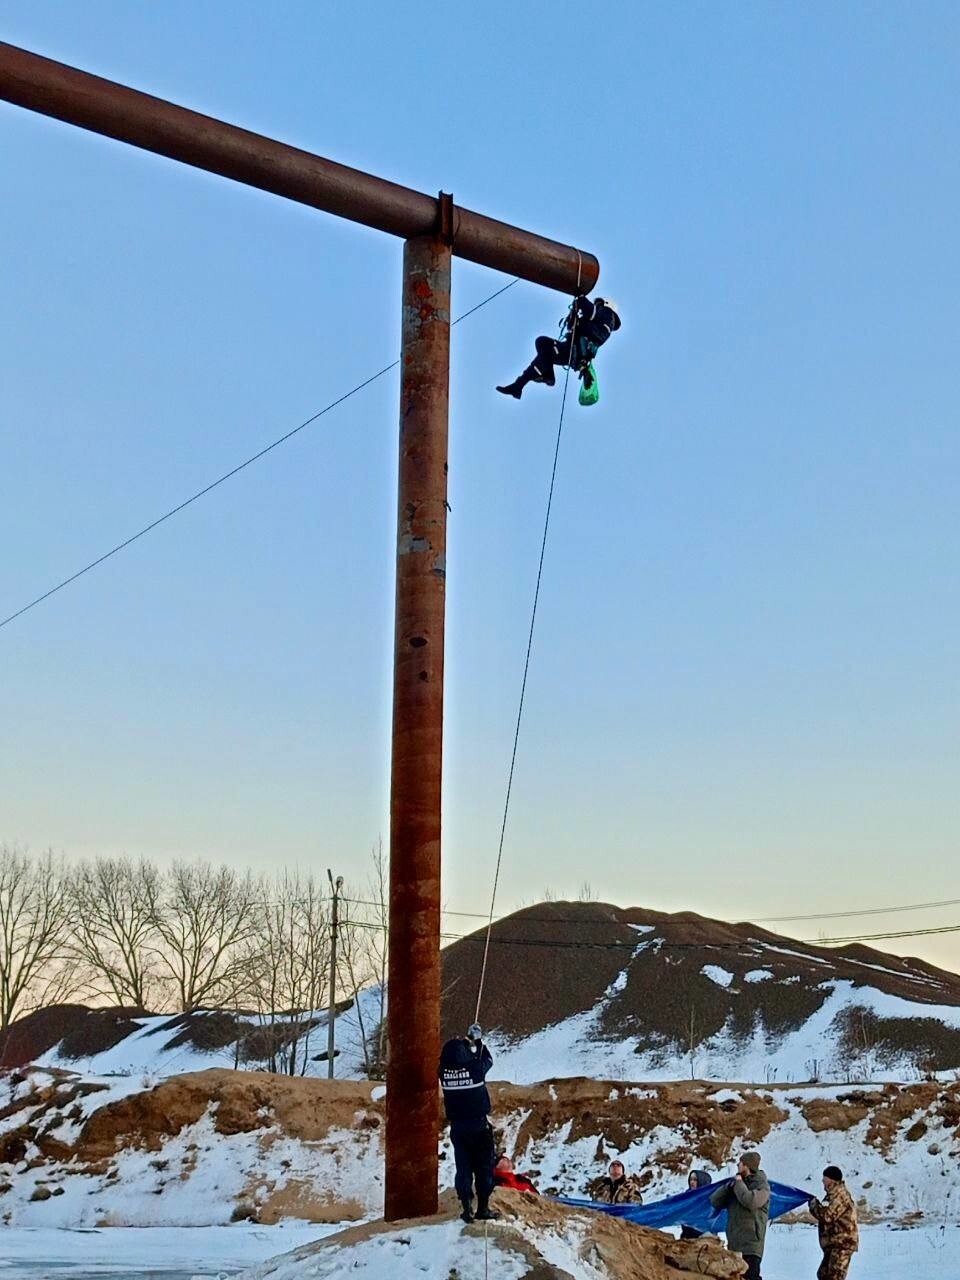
125 932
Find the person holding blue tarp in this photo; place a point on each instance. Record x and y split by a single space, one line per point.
615 1187
696 1179
694 1209
836 1216
747 1202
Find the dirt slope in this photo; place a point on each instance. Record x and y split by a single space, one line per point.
671 982
532 1228
212 1146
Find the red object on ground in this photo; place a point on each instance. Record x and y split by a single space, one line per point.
515 1181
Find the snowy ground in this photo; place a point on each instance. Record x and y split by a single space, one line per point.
886 1253
136 1253
792 1254
170 1253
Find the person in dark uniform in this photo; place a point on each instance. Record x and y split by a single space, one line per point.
464 1063
587 326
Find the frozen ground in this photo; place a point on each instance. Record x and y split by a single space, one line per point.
121 1253
886 1253
140 1253
792 1254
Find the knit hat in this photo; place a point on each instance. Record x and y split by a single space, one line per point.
752 1160
833 1173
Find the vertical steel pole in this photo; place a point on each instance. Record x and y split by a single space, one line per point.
413 1011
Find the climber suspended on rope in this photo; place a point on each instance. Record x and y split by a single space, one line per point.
584 329
464 1063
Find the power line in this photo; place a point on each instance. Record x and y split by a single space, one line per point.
883 937
201 493
867 911
566 944
826 915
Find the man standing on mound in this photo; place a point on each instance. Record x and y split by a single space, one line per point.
747 1202
464 1063
836 1216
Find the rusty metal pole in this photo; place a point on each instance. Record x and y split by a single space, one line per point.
413 1010
116 111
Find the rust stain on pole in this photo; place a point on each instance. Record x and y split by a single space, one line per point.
413 1017
116 111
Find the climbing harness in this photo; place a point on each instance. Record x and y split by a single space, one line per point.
526 664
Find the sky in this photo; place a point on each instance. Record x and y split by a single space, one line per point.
744 694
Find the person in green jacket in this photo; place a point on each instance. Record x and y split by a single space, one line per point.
746 1199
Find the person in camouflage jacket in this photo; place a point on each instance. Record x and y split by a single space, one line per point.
836 1216
616 1187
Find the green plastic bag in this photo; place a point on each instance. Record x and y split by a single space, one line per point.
591 394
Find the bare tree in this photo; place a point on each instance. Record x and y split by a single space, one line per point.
379 887
363 948
284 963
202 915
691 1038
114 930
34 928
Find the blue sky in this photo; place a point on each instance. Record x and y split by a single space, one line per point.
744 694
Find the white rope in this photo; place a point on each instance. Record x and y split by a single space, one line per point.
526 665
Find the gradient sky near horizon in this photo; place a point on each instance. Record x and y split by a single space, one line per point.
744 695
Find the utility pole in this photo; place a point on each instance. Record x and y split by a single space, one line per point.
414 942
335 887
433 230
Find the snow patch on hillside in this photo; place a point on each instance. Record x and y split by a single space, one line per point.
574 1047
722 977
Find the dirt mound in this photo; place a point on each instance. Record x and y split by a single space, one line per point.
671 982
81 1030
621 1116
555 1243
240 1102
100 1030
569 940
203 1029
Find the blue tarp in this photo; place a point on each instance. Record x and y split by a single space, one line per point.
692 1208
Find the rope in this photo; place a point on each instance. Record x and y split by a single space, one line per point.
526 664
201 493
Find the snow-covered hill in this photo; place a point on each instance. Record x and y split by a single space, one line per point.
584 989
131 1043
587 989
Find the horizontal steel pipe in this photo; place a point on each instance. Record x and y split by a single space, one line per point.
76 97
